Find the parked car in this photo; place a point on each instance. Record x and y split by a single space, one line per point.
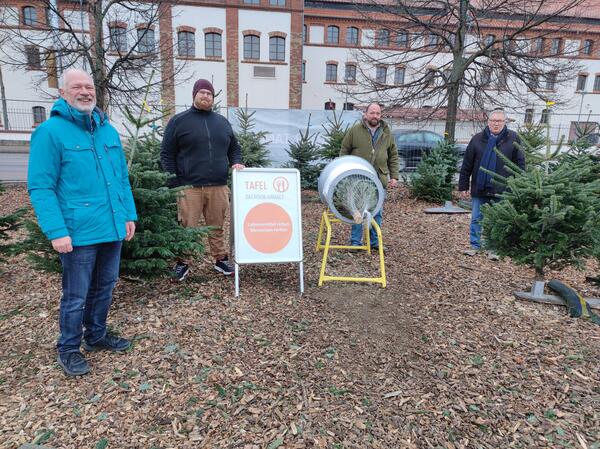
413 144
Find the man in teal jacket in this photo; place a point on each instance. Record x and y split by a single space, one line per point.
79 188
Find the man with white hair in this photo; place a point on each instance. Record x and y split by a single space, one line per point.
481 153
79 189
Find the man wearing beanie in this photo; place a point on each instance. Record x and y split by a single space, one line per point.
198 148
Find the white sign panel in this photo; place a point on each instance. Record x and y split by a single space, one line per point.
267 216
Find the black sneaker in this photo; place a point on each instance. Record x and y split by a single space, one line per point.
108 343
223 266
73 363
181 270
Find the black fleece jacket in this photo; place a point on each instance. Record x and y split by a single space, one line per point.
199 147
472 162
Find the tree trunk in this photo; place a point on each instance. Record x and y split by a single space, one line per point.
98 53
4 103
452 111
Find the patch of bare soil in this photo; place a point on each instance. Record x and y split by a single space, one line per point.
444 357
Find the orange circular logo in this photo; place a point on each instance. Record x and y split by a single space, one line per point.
267 228
281 184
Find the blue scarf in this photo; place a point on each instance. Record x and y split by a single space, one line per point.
488 161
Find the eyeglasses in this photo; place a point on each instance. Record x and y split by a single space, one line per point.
496 121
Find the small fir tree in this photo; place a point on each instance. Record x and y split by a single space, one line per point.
335 130
549 215
159 238
253 144
8 224
304 155
434 179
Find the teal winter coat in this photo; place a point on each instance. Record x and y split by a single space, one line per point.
77 178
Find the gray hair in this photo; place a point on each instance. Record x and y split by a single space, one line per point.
67 74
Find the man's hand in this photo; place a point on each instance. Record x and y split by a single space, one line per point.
464 195
62 245
392 183
129 230
238 166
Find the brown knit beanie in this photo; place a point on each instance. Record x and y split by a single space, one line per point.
202 84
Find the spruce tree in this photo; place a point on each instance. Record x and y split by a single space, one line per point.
8 224
159 239
434 179
304 155
254 147
549 216
335 130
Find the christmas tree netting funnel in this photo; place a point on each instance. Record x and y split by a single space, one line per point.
351 189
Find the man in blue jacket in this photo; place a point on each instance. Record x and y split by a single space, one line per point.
480 153
79 188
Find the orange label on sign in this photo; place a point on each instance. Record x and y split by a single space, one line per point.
267 228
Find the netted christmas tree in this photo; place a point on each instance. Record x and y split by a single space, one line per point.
159 239
549 216
335 130
253 144
304 156
434 179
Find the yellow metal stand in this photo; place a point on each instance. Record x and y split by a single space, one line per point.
326 219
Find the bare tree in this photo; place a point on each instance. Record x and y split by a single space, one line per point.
466 54
116 40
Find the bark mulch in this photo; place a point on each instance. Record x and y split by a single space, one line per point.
444 357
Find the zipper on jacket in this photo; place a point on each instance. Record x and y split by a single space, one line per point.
210 157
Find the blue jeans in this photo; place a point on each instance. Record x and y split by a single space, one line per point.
89 275
356 234
476 217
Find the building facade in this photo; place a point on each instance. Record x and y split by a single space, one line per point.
276 54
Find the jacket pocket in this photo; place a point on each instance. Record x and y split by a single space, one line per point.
113 151
84 213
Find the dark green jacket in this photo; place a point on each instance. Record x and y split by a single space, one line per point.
383 157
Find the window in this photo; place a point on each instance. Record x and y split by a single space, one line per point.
331 73
383 38
352 36
545 117
429 78
534 81
251 47
587 47
33 57
555 48
145 40
304 33
277 48
348 107
489 39
452 40
212 45
277 2
581 81
333 34
381 74
502 79
402 40
350 75
329 105
39 114
550 81
49 15
303 71
528 116
399 75
186 45
252 2
597 83
486 77
432 41
29 15
538 45
117 39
